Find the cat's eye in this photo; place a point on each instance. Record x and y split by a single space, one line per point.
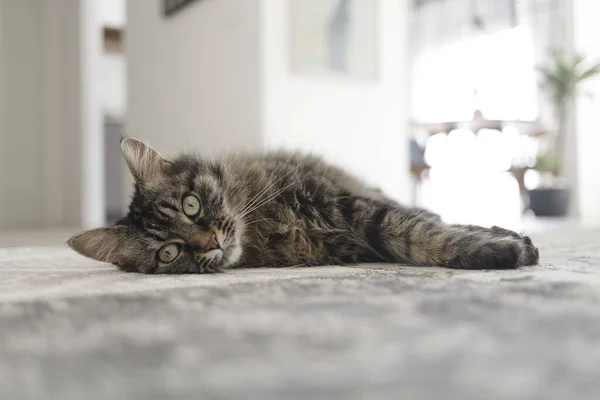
168 253
191 206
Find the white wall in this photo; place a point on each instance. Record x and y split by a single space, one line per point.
113 84
359 124
193 79
587 32
41 121
216 77
21 162
113 65
113 13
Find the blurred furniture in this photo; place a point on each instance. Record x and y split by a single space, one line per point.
417 166
476 124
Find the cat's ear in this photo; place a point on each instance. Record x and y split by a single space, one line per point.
102 244
143 161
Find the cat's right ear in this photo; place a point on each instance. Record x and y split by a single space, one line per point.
106 244
143 161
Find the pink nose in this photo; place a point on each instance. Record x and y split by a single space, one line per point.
205 241
213 243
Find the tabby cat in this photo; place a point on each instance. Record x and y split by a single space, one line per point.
195 215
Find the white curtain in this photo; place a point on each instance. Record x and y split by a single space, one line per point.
481 54
441 22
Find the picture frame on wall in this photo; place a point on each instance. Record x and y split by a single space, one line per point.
172 7
334 37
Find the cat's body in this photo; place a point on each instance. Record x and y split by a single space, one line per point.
277 210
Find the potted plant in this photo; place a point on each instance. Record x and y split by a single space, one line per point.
560 80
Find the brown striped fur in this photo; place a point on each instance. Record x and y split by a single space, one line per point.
281 209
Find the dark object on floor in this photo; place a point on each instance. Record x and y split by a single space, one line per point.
550 202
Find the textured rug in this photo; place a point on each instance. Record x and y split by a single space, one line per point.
71 328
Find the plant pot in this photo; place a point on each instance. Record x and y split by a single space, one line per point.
549 202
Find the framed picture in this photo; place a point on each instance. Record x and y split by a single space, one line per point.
334 37
171 7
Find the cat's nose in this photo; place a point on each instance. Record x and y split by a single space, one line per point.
213 243
205 241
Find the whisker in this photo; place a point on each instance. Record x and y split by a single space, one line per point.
254 207
259 220
271 197
256 199
269 184
246 211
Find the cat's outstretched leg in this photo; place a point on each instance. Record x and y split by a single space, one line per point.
398 234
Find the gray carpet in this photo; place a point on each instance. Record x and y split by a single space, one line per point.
71 328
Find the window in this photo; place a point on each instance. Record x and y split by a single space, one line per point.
493 73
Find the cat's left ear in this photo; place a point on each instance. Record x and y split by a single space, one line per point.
143 161
107 244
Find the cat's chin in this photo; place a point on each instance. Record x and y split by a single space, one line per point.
232 254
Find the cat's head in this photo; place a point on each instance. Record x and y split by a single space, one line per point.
181 219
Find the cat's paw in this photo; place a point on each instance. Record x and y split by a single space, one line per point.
530 255
507 252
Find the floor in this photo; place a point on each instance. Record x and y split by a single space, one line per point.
71 328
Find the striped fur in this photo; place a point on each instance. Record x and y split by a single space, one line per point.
282 209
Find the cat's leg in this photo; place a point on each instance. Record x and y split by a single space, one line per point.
494 229
399 234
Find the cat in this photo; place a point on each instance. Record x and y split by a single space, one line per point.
194 215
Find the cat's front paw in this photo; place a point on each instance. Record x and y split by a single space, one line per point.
529 254
507 252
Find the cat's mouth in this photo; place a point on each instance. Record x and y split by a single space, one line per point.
228 252
214 254
220 255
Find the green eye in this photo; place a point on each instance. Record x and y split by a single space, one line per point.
168 253
191 206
